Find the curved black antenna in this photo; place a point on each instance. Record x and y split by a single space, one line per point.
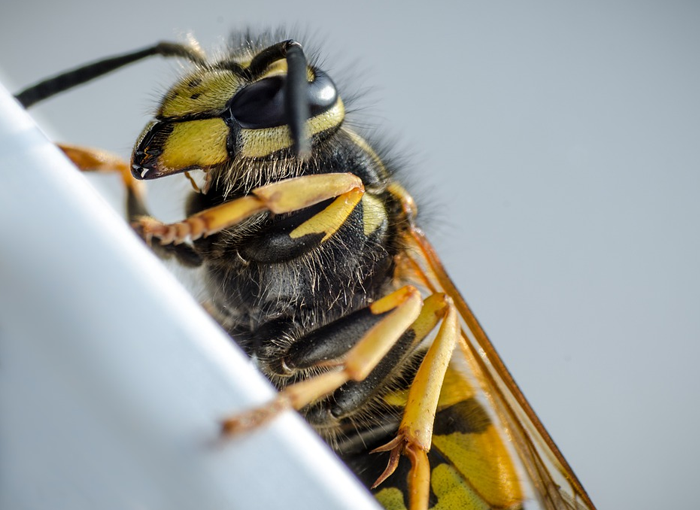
64 81
296 100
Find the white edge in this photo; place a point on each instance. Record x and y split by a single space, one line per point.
112 378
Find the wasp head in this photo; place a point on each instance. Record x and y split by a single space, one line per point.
271 104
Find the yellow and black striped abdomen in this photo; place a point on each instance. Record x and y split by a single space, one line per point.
471 466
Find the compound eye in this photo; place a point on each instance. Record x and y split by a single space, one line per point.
322 94
261 105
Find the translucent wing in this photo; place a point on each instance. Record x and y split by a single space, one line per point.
551 480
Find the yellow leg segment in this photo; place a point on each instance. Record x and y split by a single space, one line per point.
329 220
415 433
95 160
404 306
280 197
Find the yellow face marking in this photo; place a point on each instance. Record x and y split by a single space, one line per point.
482 459
196 143
207 91
373 214
258 143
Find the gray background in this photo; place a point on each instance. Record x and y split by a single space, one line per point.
553 147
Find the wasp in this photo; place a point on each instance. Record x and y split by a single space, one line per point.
315 265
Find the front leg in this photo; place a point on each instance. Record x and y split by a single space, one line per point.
96 160
280 197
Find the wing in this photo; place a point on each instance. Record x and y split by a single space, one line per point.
551 480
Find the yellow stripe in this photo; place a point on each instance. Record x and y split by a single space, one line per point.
391 499
258 143
452 492
200 143
373 214
483 460
279 68
200 92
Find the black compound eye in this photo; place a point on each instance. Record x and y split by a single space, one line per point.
261 105
322 94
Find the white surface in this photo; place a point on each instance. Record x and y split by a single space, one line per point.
112 379
554 147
